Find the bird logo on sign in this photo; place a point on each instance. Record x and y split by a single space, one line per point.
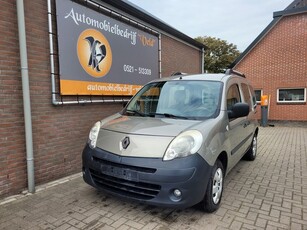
94 53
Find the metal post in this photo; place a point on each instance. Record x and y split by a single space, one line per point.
264 116
264 110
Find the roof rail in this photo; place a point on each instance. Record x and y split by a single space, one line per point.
178 73
231 71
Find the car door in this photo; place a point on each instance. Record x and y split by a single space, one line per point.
249 124
236 126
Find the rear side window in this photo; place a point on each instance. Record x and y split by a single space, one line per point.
233 96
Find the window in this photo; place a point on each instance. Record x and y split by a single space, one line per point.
291 95
258 94
233 96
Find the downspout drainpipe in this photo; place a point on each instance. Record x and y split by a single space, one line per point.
160 56
202 60
26 94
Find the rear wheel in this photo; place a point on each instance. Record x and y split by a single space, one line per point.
214 190
252 151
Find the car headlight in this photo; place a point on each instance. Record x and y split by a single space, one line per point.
92 138
183 145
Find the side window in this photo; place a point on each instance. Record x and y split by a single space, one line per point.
233 96
291 95
258 94
247 96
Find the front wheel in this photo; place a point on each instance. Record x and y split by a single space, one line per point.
214 190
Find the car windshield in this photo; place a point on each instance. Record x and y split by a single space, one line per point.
177 99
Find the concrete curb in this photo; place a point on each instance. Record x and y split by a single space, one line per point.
39 188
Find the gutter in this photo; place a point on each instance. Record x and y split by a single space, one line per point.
289 12
202 60
26 94
136 11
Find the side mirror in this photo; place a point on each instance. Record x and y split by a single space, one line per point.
239 110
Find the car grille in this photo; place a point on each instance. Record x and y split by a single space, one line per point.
124 180
134 168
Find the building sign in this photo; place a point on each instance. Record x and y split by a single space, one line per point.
99 55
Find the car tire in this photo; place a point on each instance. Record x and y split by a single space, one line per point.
251 153
213 196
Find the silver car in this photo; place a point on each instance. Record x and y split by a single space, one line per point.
175 141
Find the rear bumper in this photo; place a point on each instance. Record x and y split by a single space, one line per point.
147 180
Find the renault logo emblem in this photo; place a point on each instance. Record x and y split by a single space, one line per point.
125 142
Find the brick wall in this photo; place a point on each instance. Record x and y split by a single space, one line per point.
59 132
179 57
11 122
280 61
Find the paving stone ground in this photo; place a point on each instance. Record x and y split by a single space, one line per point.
269 193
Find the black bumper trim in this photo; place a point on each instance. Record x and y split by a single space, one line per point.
148 180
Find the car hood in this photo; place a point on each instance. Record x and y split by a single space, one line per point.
148 125
148 137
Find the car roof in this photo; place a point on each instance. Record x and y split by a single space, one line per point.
196 77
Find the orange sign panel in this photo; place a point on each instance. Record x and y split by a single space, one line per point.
71 87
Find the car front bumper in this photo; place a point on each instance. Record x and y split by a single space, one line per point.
148 180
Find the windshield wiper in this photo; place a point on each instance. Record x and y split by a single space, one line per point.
135 112
169 115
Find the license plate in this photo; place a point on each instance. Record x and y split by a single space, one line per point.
119 172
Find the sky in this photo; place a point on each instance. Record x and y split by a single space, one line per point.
237 21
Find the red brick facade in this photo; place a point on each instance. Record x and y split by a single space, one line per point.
279 61
174 57
59 132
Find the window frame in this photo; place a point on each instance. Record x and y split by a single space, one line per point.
239 92
247 98
261 94
287 102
